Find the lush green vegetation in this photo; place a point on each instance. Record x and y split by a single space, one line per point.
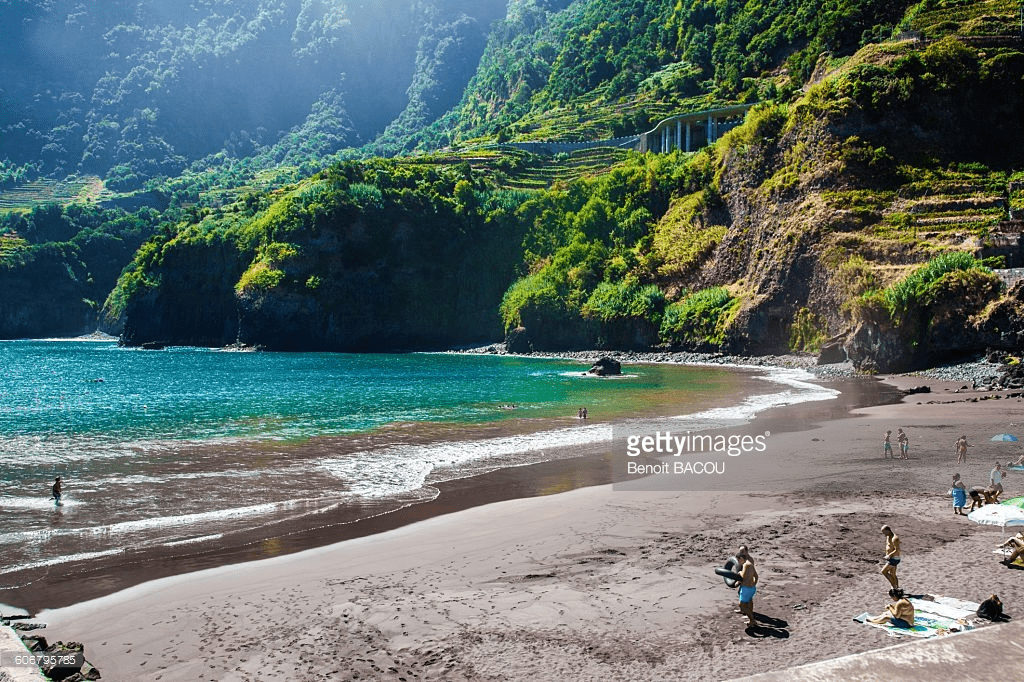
585 245
604 68
922 287
337 240
700 319
813 216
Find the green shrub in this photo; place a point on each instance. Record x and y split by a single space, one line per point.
536 290
808 331
625 299
917 288
259 277
699 319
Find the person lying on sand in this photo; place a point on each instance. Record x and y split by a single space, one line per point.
1018 463
900 614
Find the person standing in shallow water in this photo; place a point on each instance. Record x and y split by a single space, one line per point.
58 487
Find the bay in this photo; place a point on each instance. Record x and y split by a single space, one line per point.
186 446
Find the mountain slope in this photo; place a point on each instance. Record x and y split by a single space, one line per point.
136 89
864 205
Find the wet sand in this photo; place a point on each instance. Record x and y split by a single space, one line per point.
595 583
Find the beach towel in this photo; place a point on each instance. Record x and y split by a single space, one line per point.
1019 561
932 618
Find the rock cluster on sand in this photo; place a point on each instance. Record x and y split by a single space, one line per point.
64 652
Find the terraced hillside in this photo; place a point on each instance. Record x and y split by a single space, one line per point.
44 191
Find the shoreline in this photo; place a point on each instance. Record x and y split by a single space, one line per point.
578 466
592 583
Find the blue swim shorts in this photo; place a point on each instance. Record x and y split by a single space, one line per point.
747 594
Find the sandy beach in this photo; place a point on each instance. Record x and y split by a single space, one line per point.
598 582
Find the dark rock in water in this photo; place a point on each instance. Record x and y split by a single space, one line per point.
832 353
606 367
518 341
67 660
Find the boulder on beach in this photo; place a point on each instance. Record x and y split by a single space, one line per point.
606 367
517 341
63 660
832 353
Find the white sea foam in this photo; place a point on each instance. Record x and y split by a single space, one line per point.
156 523
801 391
20 502
587 375
56 452
391 471
65 558
190 541
143 479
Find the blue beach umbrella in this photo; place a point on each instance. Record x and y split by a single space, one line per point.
1004 437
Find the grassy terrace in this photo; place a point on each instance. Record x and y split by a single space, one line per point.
45 191
601 119
515 169
932 212
12 249
995 17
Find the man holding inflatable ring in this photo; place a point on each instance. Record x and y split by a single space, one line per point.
748 583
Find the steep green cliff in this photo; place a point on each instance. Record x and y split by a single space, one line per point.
373 256
816 219
58 265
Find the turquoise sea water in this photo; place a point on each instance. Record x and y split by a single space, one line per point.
186 445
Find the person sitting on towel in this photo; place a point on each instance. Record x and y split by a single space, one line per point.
1017 541
1016 554
991 609
899 614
